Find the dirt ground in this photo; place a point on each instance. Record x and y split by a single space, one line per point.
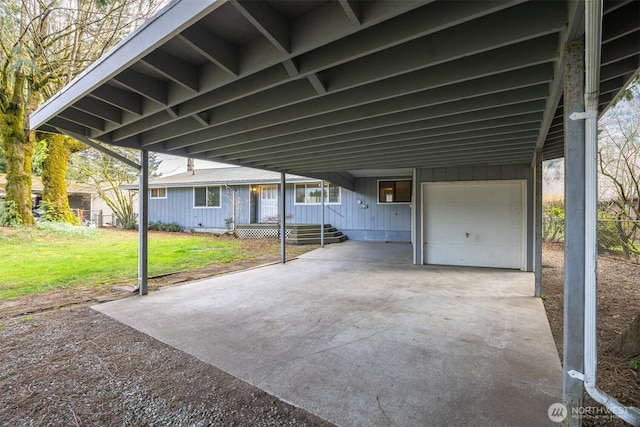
62 363
618 304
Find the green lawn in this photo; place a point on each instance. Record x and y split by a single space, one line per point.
54 256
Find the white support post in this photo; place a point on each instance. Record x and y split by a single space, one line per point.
143 222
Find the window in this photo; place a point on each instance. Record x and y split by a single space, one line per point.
206 197
394 191
158 193
309 194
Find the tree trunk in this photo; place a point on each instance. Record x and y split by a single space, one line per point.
18 144
54 194
624 241
628 344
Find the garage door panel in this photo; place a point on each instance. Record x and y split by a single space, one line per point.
474 193
481 234
475 214
474 224
478 256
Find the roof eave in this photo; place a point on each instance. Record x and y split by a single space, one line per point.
169 21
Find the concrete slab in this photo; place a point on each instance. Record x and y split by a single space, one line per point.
357 335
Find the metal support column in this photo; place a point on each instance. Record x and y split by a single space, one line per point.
574 158
143 222
538 225
283 219
322 214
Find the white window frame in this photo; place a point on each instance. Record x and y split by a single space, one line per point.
207 187
151 190
394 202
326 189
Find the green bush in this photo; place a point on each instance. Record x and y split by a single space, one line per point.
130 225
54 214
161 226
9 214
608 236
553 221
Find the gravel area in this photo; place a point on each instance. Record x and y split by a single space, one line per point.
78 367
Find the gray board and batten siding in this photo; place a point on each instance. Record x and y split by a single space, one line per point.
367 220
178 207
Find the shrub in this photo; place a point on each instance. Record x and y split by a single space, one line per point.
9 214
130 225
608 237
161 226
53 213
553 221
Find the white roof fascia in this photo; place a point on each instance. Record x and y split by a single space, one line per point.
171 20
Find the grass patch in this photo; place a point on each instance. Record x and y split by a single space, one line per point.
55 256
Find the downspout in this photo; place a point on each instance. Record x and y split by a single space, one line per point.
593 34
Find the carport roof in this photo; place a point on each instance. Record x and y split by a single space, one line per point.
325 88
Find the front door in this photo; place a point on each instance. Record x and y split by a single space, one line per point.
269 203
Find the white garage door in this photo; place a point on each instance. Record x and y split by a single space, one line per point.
474 223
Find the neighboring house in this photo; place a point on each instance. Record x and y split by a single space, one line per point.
100 208
379 207
83 201
80 195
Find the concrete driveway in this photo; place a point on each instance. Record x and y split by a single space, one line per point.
361 337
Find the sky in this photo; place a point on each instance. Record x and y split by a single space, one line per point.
172 165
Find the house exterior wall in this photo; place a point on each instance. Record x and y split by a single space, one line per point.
381 222
378 222
99 207
475 173
178 207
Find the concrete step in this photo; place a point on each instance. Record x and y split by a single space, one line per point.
309 234
332 232
316 240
